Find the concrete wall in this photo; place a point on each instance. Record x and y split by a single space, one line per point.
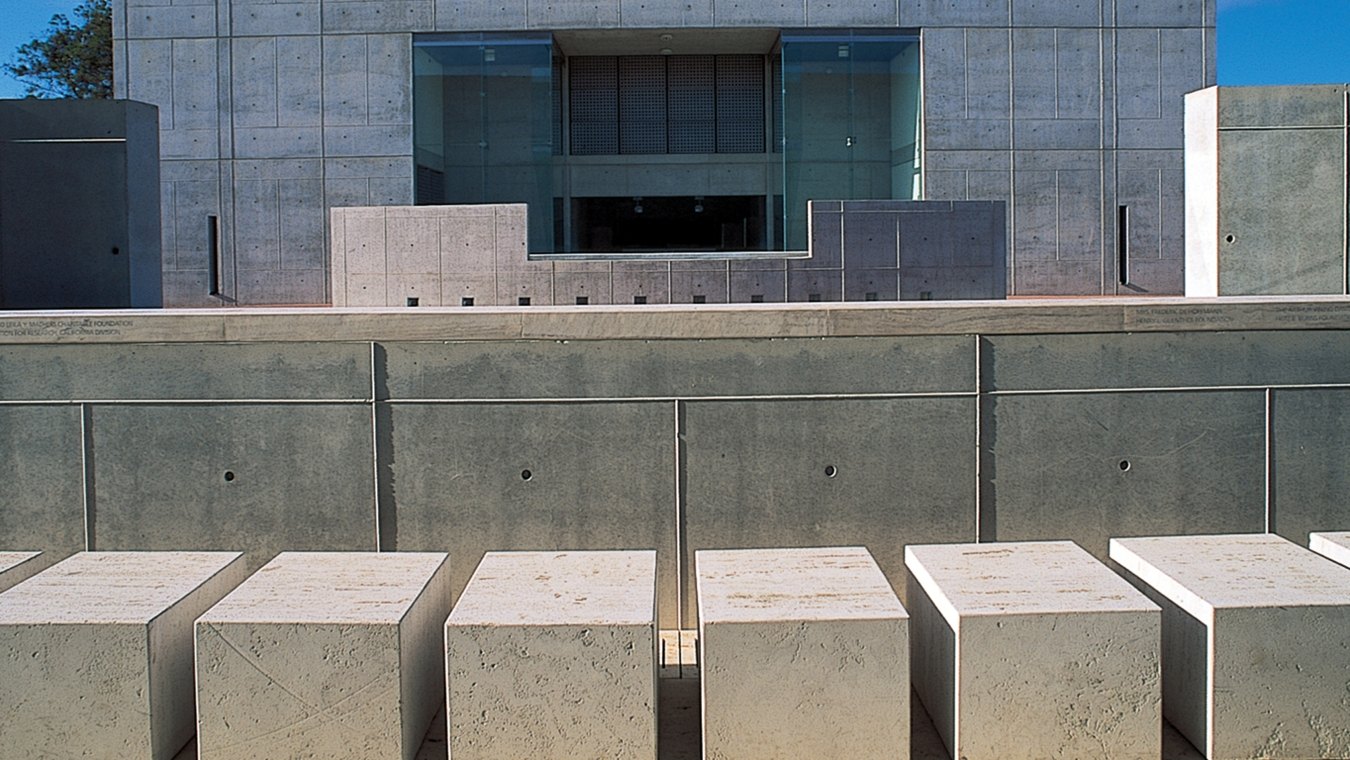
674 429
79 204
1267 185
858 251
273 113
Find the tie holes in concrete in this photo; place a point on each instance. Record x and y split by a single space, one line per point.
831 471
229 476
526 475
1124 465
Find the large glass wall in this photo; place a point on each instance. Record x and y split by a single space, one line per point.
850 121
618 154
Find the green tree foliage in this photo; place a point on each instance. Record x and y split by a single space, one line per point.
72 59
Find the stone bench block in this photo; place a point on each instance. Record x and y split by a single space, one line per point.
324 654
17 566
1034 650
803 653
553 654
1256 642
1333 546
96 653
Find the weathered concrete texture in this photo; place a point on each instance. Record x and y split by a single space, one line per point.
804 653
1256 642
1312 455
79 204
1290 236
1333 546
553 654
18 566
96 653
1034 650
333 654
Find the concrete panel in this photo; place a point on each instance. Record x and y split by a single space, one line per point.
839 473
345 80
945 62
1014 644
272 19
367 16
1333 546
809 285
302 227
646 13
455 15
315 640
1311 449
535 288
871 240
654 287
299 92
939 13
1163 13
1034 74
254 82
554 655
379 140
988 58
569 287
1284 107
208 477
389 67
764 286
1139 73
871 285
852 13
413 245
578 14
699 287
16 567
759 13
553 477
194 84
482 288
1090 467
266 287
1056 13
1271 677
257 225
96 653
1054 278
278 142
170 21
42 504
803 653
968 134
1058 134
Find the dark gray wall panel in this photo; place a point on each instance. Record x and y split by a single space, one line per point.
1165 360
186 371
1312 462
602 476
301 478
756 476
1097 466
42 500
628 369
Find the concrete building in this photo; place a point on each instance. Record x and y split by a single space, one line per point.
716 120
1267 189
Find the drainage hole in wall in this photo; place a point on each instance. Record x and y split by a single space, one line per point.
1124 465
229 476
526 474
831 471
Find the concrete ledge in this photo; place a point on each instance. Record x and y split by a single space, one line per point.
317 639
1033 650
1256 642
1333 546
804 654
553 654
96 653
18 566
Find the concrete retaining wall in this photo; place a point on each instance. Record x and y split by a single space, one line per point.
673 429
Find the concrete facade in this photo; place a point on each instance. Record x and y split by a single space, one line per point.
1084 681
1255 642
79 205
274 113
859 251
96 653
317 640
803 653
1268 191
553 654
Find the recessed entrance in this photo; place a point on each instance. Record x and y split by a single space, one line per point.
669 224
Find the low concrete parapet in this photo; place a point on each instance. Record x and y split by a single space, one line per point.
1255 642
317 639
553 655
1333 546
96 653
804 653
17 566
1033 650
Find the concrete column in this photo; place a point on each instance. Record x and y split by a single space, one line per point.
1033 650
804 653
1333 546
1256 642
553 654
16 567
96 653
334 654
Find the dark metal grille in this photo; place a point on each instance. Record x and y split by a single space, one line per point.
594 101
642 104
740 104
693 104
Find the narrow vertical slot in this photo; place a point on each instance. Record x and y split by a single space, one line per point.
1123 244
213 261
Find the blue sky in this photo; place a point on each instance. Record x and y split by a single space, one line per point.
1260 41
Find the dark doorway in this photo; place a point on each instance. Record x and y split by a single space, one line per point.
669 224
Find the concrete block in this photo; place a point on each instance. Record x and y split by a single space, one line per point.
96 653
947 13
272 19
170 22
314 641
1056 13
278 142
299 91
18 566
1256 642
1033 650
381 140
1333 546
803 653
553 654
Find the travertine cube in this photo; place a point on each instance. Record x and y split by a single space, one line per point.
803 653
1034 650
324 654
553 655
96 653
17 566
1256 642
1333 546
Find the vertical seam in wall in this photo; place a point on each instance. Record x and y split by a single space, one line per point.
681 539
1345 198
1160 74
979 440
375 452
87 468
1012 165
1269 463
